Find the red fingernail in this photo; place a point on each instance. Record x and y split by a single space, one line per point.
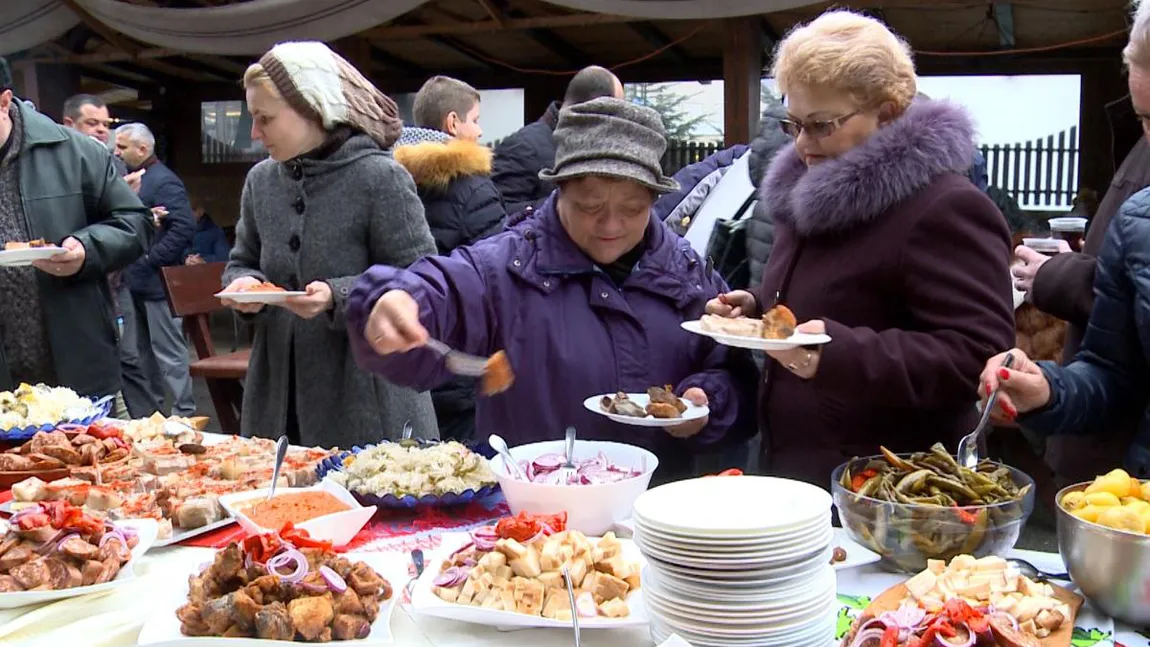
988 389
1003 374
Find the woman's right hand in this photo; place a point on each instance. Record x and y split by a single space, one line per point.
238 285
393 326
1022 388
738 303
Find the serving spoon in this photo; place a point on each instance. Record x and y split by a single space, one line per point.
281 454
968 446
1034 573
499 445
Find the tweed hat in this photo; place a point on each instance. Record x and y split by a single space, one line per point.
611 137
319 84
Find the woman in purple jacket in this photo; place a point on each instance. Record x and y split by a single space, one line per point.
585 295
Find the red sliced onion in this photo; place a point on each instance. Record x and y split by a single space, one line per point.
450 577
24 513
465 547
60 544
316 589
470 561
52 542
290 558
334 581
1007 616
906 616
548 462
113 533
863 637
962 642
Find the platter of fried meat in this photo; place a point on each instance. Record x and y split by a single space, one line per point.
658 407
278 588
970 601
775 330
56 550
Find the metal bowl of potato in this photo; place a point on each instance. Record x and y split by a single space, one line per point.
1103 541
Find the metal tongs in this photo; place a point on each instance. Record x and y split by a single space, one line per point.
574 610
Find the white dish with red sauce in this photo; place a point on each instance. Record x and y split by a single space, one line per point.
338 527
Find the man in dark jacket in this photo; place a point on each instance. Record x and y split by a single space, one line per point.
88 115
520 157
452 174
56 324
210 243
161 336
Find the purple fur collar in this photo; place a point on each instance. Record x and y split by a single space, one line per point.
931 138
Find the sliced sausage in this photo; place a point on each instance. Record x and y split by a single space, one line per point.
32 573
8 584
79 548
63 575
90 572
110 568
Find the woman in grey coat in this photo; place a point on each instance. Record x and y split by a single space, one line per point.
329 203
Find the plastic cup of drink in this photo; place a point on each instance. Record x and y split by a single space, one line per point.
1043 245
1072 230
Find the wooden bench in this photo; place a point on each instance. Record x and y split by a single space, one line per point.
190 290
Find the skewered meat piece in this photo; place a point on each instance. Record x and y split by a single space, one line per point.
64 453
16 463
366 582
348 627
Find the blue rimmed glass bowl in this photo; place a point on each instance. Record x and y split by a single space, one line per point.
100 409
334 463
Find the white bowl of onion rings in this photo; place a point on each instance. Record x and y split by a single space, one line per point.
600 493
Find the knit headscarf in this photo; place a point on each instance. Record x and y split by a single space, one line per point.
319 84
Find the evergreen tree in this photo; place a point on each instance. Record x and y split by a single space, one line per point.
663 99
767 98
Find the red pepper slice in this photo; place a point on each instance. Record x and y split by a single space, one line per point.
33 521
734 471
861 478
969 518
889 637
301 538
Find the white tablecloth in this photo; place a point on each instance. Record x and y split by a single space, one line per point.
115 619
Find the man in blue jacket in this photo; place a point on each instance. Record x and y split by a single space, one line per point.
161 336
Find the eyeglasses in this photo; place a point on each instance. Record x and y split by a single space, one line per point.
815 129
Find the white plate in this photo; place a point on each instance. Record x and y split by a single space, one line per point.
814 589
339 527
146 530
765 543
746 577
425 602
257 296
163 627
693 412
745 563
180 534
732 505
758 343
857 554
22 257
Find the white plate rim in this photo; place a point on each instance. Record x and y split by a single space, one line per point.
693 412
757 343
146 530
24 257
732 543
176 596
258 296
806 502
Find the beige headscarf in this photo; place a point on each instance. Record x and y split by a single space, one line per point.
319 83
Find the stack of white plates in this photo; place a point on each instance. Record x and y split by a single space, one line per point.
739 561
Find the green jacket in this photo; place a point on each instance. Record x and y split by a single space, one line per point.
69 187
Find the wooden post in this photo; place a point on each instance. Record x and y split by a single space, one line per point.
1101 84
742 70
46 85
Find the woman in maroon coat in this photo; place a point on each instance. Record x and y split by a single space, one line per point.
881 242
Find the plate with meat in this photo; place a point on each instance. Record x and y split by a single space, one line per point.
278 589
658 407
19 254
56 551
264 292
775 330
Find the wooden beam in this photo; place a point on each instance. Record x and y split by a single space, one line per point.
546 38
492 11
177 71
742 70
461 49
656 38
1004 19
409 32
220 63
106 57
107 33
109 74
392 62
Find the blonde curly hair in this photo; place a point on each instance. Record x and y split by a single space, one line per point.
849 52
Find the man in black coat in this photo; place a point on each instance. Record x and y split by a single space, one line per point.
160 335
520 156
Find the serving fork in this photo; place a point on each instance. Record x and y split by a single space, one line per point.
458 362
417 560
574 610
